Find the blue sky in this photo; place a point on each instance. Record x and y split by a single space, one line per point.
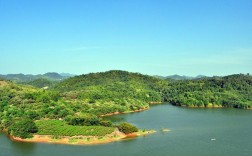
155 37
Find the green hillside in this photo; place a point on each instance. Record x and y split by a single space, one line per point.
108 78
229 91
112 91
81 100
40 83
86 98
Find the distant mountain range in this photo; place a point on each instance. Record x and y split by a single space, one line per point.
179 77
52 76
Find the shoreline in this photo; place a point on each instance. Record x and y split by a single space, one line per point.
155 103
83 140
139 110
212 107
88 140
193 106
117 113
203 106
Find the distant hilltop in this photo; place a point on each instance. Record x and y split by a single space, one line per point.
52 76
179 77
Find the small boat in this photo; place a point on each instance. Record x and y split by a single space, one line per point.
213 139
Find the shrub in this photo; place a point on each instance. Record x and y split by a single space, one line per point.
23 128
106 123
83 120
127 128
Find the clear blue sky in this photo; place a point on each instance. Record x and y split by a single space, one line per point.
155 37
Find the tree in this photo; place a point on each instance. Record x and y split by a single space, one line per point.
83 120
32 114
127 128
106 123
23 128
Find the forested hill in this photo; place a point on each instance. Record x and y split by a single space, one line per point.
130 91
52 76
81 100
179 77
229 91
126 91
41 83
109 78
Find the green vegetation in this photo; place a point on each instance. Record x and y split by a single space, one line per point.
87 120
113 91
231 91
81 100
41 82
127 128
61 128
23 128
21 78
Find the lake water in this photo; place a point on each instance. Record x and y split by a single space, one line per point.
203 132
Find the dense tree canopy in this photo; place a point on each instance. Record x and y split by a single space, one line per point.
230 91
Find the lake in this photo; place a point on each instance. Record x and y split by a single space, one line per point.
203 132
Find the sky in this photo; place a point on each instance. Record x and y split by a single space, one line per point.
154 37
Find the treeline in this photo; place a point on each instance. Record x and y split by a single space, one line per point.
231 91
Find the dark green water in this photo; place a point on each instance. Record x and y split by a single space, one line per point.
190 135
